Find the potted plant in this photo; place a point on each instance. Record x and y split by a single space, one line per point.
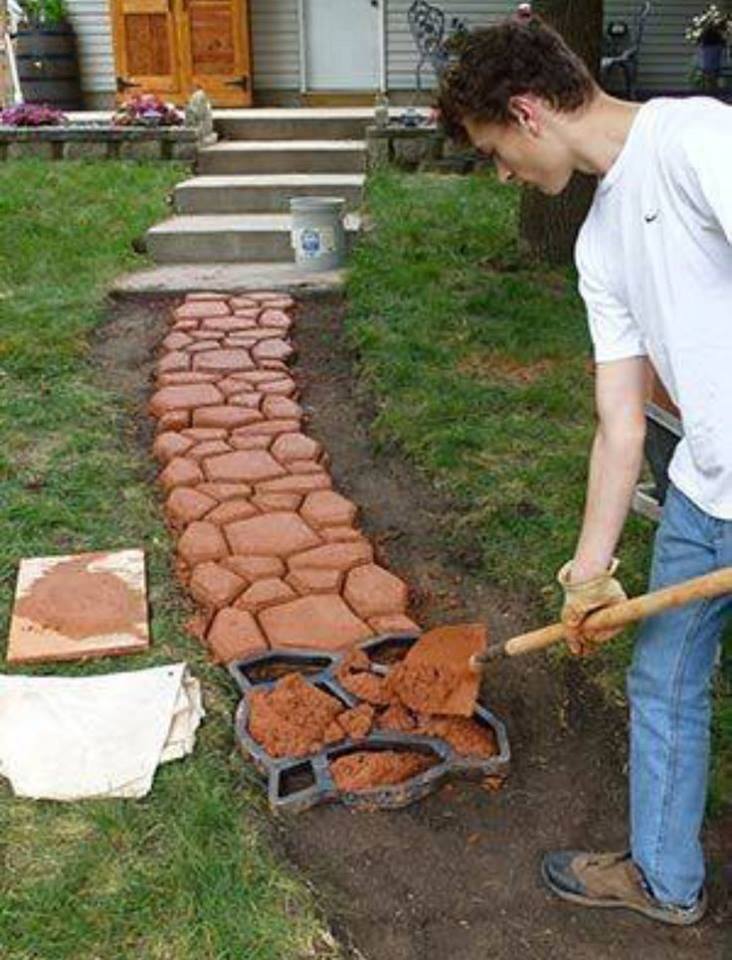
711 32
147 110
45 50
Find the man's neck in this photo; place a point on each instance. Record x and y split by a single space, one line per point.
597 136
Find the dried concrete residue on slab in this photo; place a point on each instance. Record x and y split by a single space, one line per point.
71 607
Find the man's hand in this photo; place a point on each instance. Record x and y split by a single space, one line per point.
581 599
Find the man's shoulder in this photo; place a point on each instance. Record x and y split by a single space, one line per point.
683 120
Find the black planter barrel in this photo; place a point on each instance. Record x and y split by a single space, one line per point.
48 66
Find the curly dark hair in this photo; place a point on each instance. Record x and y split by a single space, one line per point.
513 57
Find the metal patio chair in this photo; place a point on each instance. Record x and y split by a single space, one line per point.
428 26
622 49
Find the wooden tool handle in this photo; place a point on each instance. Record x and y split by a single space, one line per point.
711 585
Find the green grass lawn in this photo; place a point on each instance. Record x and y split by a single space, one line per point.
480 369
187 872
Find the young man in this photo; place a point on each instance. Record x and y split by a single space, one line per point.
655 264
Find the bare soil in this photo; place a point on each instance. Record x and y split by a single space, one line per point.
456 875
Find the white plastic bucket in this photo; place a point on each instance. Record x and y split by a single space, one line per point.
318 233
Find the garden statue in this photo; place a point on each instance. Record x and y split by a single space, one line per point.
199 116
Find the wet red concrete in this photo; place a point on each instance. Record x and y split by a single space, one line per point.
366 770
296 719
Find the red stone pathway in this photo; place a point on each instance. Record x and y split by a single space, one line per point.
270 552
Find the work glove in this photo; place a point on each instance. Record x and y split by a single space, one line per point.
581 599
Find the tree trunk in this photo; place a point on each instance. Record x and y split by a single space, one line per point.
549 225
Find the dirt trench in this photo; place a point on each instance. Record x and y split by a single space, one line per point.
454 877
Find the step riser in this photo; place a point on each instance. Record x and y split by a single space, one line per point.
223 248
271 161
333 128
212 200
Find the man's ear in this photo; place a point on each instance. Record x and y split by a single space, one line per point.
524 111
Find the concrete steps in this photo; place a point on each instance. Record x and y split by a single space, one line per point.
263 193
230 238
236 209
283 156
300 124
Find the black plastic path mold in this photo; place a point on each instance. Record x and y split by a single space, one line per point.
296 784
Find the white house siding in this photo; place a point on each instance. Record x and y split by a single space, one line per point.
93 28
276 44
665 57
664 64
401 53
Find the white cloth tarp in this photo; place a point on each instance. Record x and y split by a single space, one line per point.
68 738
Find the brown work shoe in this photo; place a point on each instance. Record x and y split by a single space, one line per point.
611 880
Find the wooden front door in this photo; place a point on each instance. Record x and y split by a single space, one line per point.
173 47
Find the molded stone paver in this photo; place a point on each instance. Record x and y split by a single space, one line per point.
180 473
297 484
231 511
277 501
334 556
280 387
198 309
176 340
225 491
229 418
233 385
305 466
255 568
267 545
175 420
203 346
186 504
223 361
396 623
215 586
174 362
325 508
228 324
170 444
272 350
341 534
281 408
187 376
324 622
265 593
247 466
200 542
275 318
250 400
208 448
250 443
234 634
184 397
308 581
373 592
268 427
296 446
199 434
274 534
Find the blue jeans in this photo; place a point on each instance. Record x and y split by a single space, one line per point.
669 686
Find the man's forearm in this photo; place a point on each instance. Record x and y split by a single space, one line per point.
615 465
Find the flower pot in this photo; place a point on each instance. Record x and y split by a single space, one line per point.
710 57
48 66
